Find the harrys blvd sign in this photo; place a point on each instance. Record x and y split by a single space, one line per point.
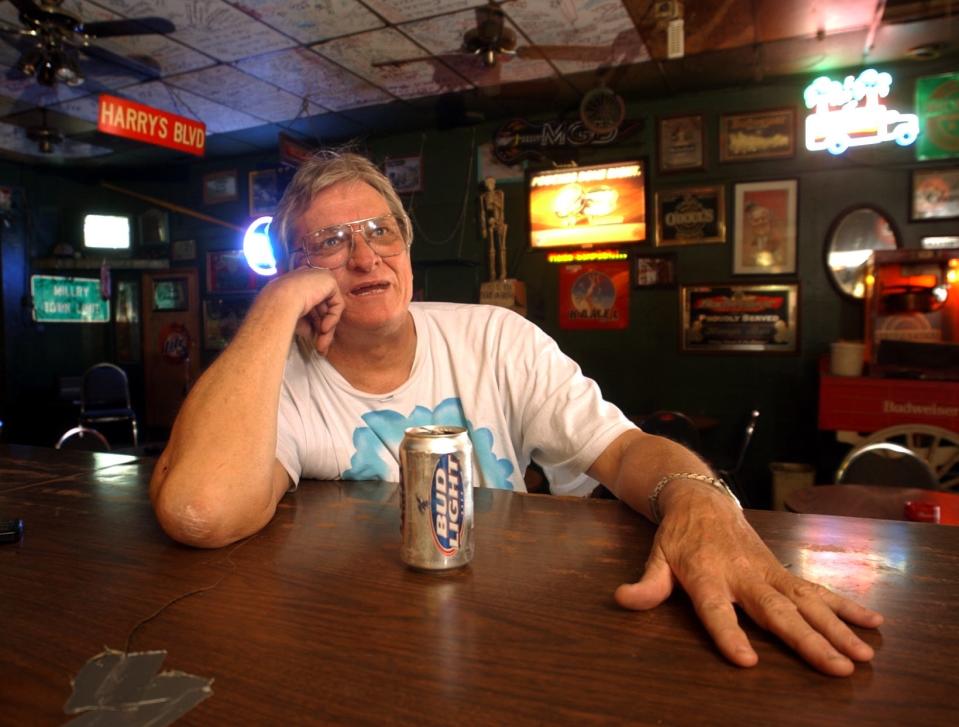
132 120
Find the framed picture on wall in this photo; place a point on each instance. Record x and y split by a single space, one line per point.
154 228
406 173
757 135
222 318
764 228
733 318
690 215
680 144
935 194
656 271
219 187
264 192
227 272
181 250
171 294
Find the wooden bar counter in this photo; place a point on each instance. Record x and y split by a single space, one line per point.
315 620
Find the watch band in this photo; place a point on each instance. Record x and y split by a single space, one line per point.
657 491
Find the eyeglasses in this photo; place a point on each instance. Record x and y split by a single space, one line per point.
331 247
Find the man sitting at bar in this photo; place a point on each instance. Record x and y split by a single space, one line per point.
367 363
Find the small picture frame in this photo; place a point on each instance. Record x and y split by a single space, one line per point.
264 192
655 271
228 272
154 228
690 215
764 228
171 294
183 250
220 187
221 320
934 194
405 173
756 135
735 318
680 144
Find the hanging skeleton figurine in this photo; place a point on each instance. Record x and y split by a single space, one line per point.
493 224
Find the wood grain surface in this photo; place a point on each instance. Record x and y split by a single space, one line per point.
316 620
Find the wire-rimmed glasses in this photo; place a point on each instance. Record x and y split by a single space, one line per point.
331 247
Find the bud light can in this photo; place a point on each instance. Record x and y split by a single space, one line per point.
436 497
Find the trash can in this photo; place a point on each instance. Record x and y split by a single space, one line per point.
789 477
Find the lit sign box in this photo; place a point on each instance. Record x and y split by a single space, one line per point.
595 205
850 113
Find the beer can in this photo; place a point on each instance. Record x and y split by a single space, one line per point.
436 497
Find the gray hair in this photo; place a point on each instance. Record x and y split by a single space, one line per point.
322 170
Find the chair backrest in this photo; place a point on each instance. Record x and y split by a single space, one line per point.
885 463
83 438
673 425
105 386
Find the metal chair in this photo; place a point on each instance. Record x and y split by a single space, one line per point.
673 425
938 447
83 438
105 397
730 472
885 463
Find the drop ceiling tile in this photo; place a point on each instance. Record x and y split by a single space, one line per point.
399 11
412 80
85 108
231 87
580 36
217 117
443 36
310 21
213 26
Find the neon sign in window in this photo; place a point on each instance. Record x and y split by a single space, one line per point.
849 113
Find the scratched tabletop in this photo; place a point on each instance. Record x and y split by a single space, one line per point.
316 620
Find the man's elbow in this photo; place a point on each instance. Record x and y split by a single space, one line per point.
193 521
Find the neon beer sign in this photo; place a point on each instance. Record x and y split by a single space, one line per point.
849 113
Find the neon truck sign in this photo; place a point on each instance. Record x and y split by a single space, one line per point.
849 113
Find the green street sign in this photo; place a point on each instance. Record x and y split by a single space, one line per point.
68 300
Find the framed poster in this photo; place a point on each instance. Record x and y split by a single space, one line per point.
690 215
183 250
222 318
171 294
656 271
757 135
264 192
154 228
936 106
219 187
764 224
732 318
940 242
128 321
680 144
594 295
227 272
935 194
405 173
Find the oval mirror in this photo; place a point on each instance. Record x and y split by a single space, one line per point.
853 236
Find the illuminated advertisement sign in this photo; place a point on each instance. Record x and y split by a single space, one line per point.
849 113
594 205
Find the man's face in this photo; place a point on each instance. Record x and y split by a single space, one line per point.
377 290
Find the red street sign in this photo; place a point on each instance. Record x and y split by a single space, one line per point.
132 120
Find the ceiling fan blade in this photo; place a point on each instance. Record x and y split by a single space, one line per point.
140 65
401 61
29 9
594 53
128 26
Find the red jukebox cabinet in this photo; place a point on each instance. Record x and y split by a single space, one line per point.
911 351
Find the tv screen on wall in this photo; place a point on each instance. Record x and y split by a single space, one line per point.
599 204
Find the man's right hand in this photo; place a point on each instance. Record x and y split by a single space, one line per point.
321 300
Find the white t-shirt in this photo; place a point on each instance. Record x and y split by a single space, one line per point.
481 367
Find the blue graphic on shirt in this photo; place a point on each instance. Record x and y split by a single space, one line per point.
384 431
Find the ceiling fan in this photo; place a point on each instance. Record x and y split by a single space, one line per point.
51 40
488 40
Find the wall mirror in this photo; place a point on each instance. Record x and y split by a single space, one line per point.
853 236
